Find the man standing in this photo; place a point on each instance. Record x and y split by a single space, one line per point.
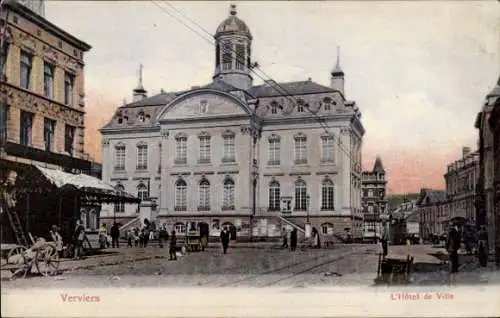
224 238
453 245
384 239
115 235
293 240
173 247
79 236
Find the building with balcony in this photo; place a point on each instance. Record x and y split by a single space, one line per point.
231 153
374 200
461 179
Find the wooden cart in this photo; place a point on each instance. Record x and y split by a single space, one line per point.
394 270
41 258
193 241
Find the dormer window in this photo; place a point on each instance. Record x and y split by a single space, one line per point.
274 107
203 106
300 105
141 117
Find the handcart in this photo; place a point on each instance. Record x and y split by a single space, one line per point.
193 241
42 258
394 270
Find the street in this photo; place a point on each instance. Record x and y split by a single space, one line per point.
266 266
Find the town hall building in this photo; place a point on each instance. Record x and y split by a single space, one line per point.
253 158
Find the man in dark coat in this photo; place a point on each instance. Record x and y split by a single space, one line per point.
115 234
293 240
453 245
224 238
173 246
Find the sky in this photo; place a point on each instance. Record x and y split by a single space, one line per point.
419 71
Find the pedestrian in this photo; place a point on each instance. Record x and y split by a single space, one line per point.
78 236
103 236
384 239
452 246
115 235
482 249
57 238
224 239
136 237
162 235
173 247
130 236
293 240
141 237
285 238
316 241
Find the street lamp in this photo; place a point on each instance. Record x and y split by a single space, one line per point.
308 200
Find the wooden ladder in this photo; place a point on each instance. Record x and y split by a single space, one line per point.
15 223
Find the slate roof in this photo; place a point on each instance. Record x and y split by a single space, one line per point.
233 24
435 196
378 167
292 88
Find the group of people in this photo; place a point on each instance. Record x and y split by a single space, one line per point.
292 237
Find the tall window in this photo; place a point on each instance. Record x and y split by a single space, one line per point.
274 107
3 59
142 192
4 112
204 149
25 69
300 149
204 195
227 55
229 149
181 150
69 139
180 195
327 148
300 195
26 125
120 206
49 126
240 57
228 195
48 80
327 198
68 89
142 157
217 54
274 152
120 157
274 196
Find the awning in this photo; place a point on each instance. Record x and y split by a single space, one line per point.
90 188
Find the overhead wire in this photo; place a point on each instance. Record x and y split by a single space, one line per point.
282 91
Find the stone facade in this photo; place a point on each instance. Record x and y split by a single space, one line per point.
373 186
235 154
434 213
494 122
485 202
45 44
461 179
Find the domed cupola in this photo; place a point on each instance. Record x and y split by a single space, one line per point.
233 42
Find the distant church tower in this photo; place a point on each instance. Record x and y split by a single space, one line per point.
37 6
337 75
233 42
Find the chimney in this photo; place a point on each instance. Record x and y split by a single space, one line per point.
465 151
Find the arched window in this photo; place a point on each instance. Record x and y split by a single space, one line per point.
300 195
180 228
327 228
142 192
180 195
120 206
228 195
204 195
274 196
327 195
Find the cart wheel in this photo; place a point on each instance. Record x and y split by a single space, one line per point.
19 250
47 260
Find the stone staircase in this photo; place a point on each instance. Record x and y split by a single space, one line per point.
130 224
